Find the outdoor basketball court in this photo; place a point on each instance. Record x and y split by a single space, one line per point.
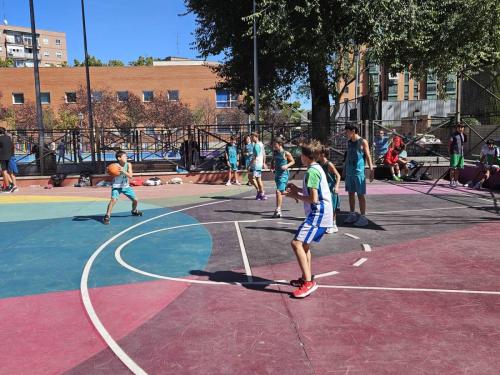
199 284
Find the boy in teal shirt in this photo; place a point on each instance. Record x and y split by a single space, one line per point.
282 160
232 161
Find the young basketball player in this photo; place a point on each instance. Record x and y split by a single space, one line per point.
333 178
282 160
316 196
120 185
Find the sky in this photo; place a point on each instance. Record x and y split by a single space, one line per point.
116 29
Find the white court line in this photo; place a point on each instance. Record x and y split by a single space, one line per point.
246 263
283 223
320 275
366 247
351 235
456 291
359 262
84 291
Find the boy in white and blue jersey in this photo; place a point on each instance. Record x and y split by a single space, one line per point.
120 185
319 215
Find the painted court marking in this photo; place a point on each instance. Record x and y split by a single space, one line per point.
351 235
366 247
127 360
359 262
248 270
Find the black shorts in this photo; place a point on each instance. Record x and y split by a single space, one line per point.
4 164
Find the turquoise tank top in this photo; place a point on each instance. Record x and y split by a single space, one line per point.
355 161
330 177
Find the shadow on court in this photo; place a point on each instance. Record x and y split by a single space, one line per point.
258 283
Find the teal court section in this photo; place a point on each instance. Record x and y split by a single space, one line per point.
48 255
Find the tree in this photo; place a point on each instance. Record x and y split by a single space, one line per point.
67 120
142 61
316 42
163 112
115 63
204 113
132 112
8 63
93 61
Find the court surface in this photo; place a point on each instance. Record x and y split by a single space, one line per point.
199 284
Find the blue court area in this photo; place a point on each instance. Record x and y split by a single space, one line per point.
46 245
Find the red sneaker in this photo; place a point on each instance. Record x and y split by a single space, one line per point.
297 282
305 289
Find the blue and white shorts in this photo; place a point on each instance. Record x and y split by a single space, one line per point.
308 233
257 172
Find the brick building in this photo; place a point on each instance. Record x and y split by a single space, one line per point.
16 43
192 84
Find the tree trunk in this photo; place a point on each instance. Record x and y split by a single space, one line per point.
318 80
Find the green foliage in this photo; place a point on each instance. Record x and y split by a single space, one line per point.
115 63
142 61
314 43
93 61
67 120
8 63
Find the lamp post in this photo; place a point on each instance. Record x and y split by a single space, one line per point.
255 70
415 114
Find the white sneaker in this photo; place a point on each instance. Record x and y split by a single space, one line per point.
238 183
361 222
351 218
478 185
228 183
335 229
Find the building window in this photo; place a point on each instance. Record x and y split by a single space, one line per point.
431 87
392 94
17 98
173 95
226 99
47 65
58 42
122 96
70 97
45 41
96 96
407 86
46 54
346 90
147 96
59 54
450 87
45 97
415 89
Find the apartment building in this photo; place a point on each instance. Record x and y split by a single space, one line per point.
16 43
402 96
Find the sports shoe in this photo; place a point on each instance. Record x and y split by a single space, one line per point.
333 229
277 213
305 289
298 282
106 219
257 197
228 183
263 197
136 213
396 178
361 222
237 183
478 185
351 218
14 189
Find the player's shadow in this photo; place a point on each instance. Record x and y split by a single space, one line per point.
224 197
98 218
242 212
256 283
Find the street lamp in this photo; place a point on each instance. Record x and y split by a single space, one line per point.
80 117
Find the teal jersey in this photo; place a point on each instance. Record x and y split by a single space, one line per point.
248 151
330 177
279 161
232 153
121 181
355 158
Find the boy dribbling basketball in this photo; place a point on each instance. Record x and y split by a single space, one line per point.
319 215
120 185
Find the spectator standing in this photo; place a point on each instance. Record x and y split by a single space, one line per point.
456 149
381 145
6 152
61 152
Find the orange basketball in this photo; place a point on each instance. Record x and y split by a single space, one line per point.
114 169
